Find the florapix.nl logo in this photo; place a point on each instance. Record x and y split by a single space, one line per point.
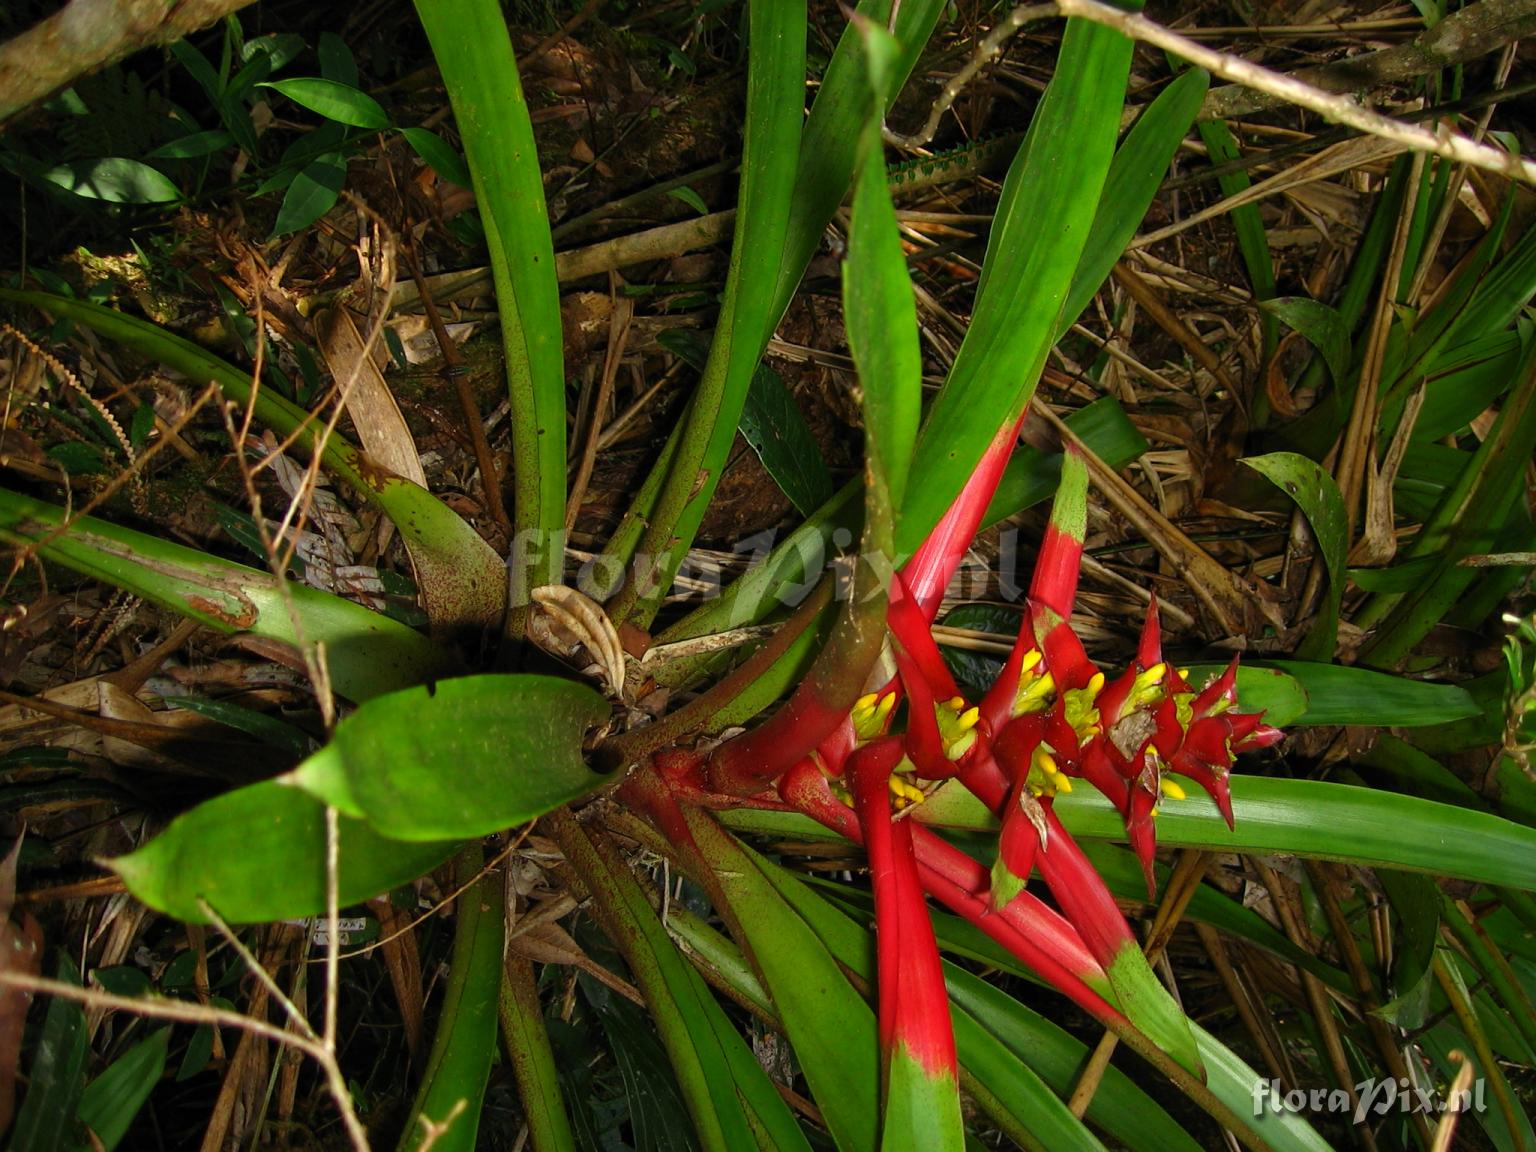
1370 1098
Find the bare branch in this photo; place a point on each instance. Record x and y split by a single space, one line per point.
1341 109
1477 30
86 35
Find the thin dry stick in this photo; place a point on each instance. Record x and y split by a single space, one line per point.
618 339
158 1008
313 654
1317 996
989 47
324 1045
1258 1028
1325 883
332 925
1340 109
1345 156
447 899
116 483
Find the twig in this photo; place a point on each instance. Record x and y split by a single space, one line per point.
164 1009
1476 30
1342 109
618 339
989 47
322 1047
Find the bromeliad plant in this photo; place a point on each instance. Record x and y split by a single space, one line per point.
875 741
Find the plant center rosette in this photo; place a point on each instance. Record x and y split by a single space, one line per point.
1050 720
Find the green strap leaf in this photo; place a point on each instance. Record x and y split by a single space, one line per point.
994 1030
533 1059
1031 1079
1301 818
453 1084
1049 201
462 578
878 305
56 1079
1340 695
728 1095
771 144
1245 1092
473 50
831 1029
366 653
1134 177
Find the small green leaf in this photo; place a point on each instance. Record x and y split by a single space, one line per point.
1322 326
280 48
461 758
258 854
115 179
79 458
691 198
193 145
113 1099
333 100
1317 495
143 424
268 729
312 194
773 425
438 154
336 60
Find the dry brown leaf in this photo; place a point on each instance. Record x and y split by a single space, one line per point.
380 426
